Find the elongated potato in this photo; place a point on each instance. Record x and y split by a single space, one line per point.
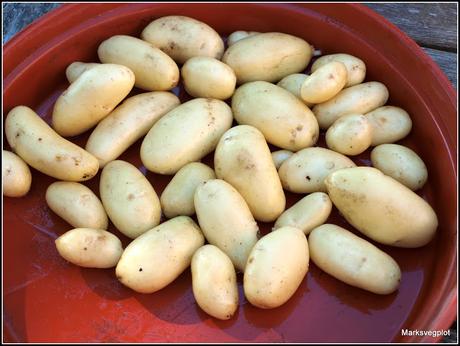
42 148
214 282
76 204
186 134
400 163
128 198
389 124
183 38
353 260
305 171
75 69
381 207
356 68
351 134
243 159
16 175
156 258
90 248
90 98
177 197
127 123
239 35
283 119
226 220
280 156
293 84
276 267
268 57
360 99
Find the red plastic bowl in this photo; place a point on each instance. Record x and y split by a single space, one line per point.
49 300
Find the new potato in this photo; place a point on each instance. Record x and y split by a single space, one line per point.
389 124
293 84
356 69
280 156
16 175
75 69
239 35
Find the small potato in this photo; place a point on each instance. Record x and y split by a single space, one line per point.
400 163
239 35
276 267
90 248
305 171
177 197
353 260
16 175
324 83
156 258
356 68
351 134
308 213
214 282
183 38
280 156
75 69
389 124
208 77
128 198
293 84
76 204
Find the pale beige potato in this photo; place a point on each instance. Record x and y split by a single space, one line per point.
356 68
293 84
280 156
75 69
177 197
156 258
353 260
268 57
350 134
129 199
358 99
90 248
186 134
239 35
90 98
214 282
382 208
225 220
284 120
243 159
16 176
208 77
305 171
308 213
183 38
400 163
30 137
389 124
127 123
276 267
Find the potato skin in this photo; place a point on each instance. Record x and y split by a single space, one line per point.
356 68
75 69
42 148
389 124
293 84
280 156
16 175
239 35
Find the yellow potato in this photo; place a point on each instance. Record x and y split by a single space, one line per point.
356 69
293 84
389 124
42 148
280 156
16 175
156 258
276 267
351 134
239 35
353 260
382 208
75 69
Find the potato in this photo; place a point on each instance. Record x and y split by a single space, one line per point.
127 123
293 84
284 120
16 175
177 197
400 163
90 248
208 77
308 213
324 83
76 204
185 134
268 57
358 99
305 171
382 208
42 148
389 124
243 159
276 267
239 35
156 258
128 198
351 134
353 260
226 220
153 69
75 69
183 38
91 98
280 156
214 282
356 69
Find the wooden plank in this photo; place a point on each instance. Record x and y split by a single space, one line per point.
447 62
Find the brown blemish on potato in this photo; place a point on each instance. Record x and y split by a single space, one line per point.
203 45
59 158
299 128
308 178
131 197
172 45
331 76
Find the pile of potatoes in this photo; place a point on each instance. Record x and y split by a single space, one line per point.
247 181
